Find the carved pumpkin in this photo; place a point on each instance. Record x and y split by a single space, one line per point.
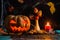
17 23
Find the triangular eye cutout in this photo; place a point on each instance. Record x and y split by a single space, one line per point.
12 21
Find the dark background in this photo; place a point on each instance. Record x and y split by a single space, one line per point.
27 9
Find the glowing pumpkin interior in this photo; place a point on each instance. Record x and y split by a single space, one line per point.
19 24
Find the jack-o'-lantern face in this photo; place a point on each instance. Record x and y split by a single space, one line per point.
13 25
18 24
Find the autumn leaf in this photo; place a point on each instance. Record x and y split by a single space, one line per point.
52 7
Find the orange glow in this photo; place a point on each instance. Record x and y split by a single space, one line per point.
47 26
14 29
12 21
24 21
18 29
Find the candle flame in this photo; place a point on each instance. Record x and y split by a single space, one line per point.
48 24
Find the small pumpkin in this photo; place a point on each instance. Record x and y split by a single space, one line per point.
17 23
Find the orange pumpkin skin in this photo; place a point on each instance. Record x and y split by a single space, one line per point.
17 24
